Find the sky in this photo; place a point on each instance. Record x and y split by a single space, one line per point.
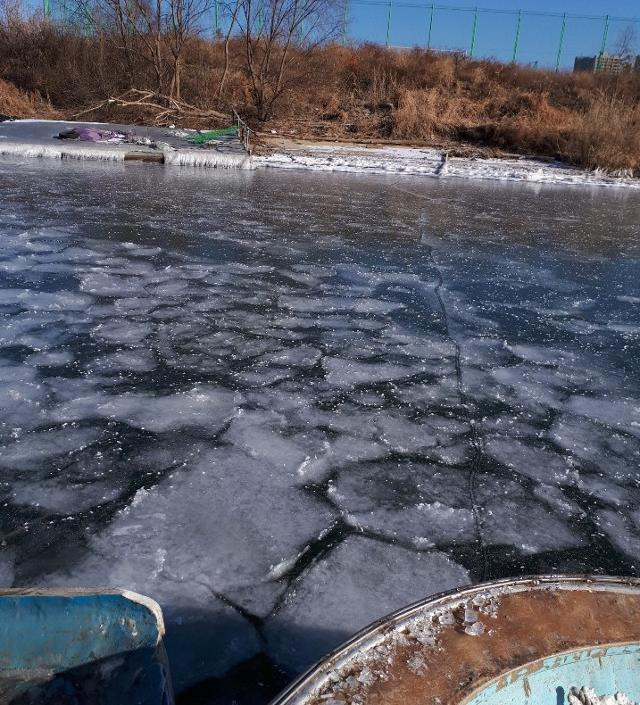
539 37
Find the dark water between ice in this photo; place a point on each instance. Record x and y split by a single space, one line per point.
284 404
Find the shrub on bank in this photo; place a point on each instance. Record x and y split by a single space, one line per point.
363 92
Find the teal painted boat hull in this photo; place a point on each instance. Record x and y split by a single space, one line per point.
77 647
606 669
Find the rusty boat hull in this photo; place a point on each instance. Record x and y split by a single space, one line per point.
526 641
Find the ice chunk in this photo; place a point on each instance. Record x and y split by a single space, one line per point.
347 373
203 406
529 459
125 361
623 532
64 497
36 448
368 487
21 405
623 414
262 377
105 284
613 453
405 436
422 524
253 433
54 358
358 582
45 301
605 490
218 528
444 393
122 331
336 455
509 516
557 500
543 355
308 304
302 356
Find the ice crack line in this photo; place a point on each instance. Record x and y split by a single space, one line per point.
476 441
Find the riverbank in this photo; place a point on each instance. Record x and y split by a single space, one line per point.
172 147
414 161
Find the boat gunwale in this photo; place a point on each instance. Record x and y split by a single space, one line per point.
143 600
309 684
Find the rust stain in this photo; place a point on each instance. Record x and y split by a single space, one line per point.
519 633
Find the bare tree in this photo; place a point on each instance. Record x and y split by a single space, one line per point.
233 11
626 42
134 27
277 36
157 31
184 21
11 12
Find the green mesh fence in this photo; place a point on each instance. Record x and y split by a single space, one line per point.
203 137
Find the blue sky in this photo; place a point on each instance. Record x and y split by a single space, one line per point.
539 36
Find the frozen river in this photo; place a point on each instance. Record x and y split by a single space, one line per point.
284 404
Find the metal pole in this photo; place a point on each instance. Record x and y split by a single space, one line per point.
430 27
604 34
473 32
389 22
345 22
260 18
561 42
517 38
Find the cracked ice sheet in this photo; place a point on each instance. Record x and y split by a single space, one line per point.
205 407
191 307
419 503
509 516
220 528
359 581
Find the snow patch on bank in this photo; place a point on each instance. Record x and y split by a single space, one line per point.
431 162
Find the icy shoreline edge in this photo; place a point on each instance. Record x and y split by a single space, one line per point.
411 161
395 161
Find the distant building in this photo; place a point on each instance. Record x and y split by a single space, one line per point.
584 63
606 63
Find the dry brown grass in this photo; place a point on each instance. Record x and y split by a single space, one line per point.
17 103
363 93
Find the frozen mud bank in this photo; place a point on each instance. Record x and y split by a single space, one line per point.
431 162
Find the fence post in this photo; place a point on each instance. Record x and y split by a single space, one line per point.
389 22
430 27
517 38
474 29
604 34
560 43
